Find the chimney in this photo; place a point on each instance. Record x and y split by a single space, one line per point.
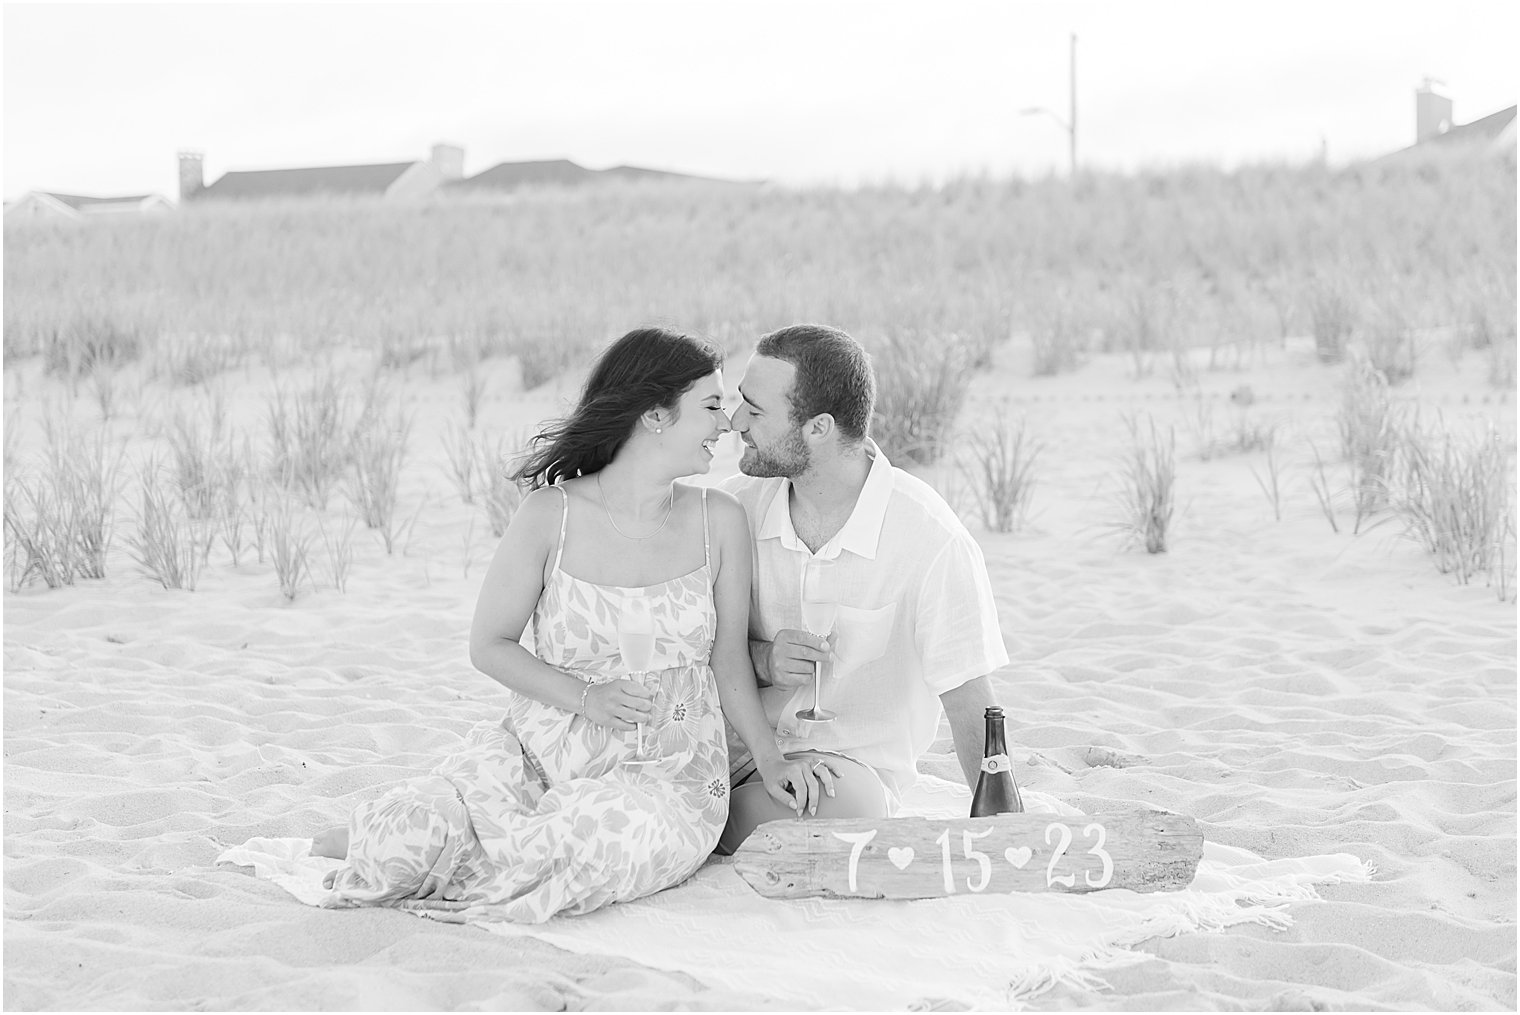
449 160
1432 112
192 178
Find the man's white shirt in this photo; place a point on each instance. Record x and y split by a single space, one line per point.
916 616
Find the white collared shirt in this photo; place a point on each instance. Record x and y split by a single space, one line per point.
916 616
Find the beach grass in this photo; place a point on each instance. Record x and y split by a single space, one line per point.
172 537
1370 433
378 451
1270 479
1147 498
1143 264
309 436
1455 498
1324 494
997 463
59 516
921 385
1184 272
338 547
290 546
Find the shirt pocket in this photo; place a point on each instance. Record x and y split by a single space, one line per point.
861 636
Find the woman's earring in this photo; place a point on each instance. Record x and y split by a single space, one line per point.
659 429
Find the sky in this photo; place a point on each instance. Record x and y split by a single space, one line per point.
98 98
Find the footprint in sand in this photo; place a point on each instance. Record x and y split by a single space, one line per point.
1106 757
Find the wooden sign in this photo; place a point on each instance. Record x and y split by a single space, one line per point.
922 858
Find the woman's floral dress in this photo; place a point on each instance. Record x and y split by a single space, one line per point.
539 814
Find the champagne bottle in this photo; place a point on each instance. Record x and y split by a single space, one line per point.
996 790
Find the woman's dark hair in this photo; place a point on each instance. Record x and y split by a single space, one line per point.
645 369
833 375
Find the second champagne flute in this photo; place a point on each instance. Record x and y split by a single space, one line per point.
636 646
820 606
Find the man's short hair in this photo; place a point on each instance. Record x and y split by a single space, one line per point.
834 375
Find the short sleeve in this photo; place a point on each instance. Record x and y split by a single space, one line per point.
743 489
956 627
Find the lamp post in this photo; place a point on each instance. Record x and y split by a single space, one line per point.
1068 124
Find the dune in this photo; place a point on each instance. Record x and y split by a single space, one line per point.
1297 691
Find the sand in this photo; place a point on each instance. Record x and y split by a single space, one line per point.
1297 691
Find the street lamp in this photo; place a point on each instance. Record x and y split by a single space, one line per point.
1067 124
1071 131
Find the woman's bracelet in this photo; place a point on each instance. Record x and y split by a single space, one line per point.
585 691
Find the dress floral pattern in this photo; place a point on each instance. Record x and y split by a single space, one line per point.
539 814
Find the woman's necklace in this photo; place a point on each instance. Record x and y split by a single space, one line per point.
671 503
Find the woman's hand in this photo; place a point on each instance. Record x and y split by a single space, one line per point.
798 783
619 704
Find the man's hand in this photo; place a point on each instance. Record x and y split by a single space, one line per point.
793 655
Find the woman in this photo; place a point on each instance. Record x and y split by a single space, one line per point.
548 811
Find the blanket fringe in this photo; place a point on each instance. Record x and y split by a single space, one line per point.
1076 973
1254 902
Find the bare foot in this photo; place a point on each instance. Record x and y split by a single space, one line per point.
331 843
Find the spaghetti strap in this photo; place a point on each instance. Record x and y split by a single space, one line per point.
564 516
706 546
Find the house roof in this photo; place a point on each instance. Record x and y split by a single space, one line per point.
77 202
507 175
375 179
1486 129
1489 134
640 173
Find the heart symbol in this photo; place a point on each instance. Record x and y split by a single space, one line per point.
1018 856
900 856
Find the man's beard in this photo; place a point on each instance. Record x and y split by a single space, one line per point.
789 460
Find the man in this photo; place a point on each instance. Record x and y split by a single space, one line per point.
916 628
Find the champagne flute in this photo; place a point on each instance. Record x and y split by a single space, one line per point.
820 606
636 646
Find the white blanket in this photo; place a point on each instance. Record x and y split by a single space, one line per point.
980 951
